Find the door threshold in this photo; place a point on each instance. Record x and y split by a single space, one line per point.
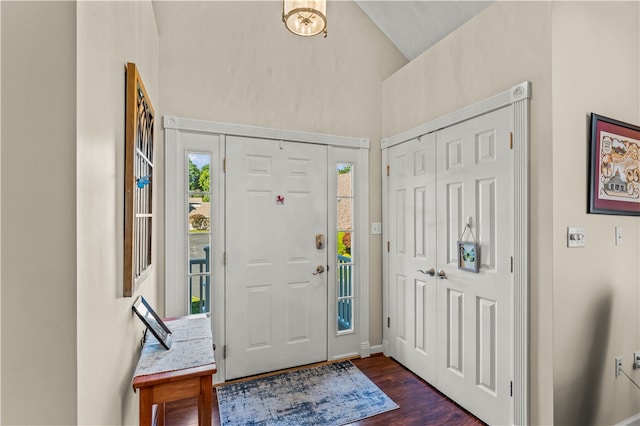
286 370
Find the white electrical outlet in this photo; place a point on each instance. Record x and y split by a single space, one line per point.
618 365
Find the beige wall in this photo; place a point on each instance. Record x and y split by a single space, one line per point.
68 327
580 58
0 215
259 74
595 56
508 43
110 34
38 213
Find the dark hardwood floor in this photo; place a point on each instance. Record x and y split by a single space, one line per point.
420 403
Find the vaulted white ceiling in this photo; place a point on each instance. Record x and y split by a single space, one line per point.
414 26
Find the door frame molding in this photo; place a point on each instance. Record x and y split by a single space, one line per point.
173 125
519 97
178 123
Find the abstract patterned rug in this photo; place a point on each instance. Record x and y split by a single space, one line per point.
333 394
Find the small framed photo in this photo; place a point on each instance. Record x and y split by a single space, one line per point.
153 322
468 256
614 166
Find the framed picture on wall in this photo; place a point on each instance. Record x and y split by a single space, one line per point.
614 178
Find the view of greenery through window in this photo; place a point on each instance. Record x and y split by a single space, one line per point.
199 179
199 229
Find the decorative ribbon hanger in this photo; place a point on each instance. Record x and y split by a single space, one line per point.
468 226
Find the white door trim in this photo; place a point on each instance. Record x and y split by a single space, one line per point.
175 243
519 96
356 343
174 127
518 93
172 122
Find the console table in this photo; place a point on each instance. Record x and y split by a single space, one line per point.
181 372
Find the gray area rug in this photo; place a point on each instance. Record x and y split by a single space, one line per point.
333 394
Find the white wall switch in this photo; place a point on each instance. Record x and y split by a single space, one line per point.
376 228
576 237
618 235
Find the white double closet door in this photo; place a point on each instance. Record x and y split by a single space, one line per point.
453 327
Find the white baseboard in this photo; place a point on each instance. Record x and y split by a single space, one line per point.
385 347
376 349
631 421
365 350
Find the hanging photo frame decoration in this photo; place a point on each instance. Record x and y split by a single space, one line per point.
468 251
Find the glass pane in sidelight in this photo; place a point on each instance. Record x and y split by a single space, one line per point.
198 213
199 252
345 314
345 214
198 169
199 273
345 180
343 240
345 280
199 287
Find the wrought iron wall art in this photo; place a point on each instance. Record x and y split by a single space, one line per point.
138 181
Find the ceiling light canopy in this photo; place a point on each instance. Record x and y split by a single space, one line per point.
305 17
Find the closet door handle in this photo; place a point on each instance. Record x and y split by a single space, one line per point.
431 272
442 274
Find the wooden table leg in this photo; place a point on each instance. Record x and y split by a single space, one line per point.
160 414
205 401
146 406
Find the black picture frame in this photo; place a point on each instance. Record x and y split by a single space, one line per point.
614 167
153 322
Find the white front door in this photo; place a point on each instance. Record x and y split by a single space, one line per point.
475 310
276 300
412 291
454 328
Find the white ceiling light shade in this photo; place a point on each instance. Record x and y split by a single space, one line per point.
305 17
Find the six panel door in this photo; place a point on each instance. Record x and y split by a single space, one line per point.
276 302
453 327
412 295
475 310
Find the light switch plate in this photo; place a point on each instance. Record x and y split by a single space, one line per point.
576 237
376 228
618 235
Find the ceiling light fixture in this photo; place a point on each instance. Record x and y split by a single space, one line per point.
305 17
